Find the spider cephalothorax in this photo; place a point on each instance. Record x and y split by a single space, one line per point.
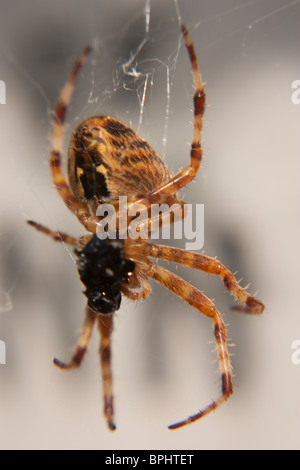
102 268
107 159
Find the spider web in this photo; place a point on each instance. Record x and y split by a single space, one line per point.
136 77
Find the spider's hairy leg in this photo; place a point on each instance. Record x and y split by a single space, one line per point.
58 178
105 326
82 343
196 299
210 266
185 176
199 105
56 236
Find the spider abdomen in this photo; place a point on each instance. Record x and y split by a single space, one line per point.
107 159
103 268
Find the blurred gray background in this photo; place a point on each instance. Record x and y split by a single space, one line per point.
164 367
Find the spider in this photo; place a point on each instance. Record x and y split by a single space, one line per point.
107 159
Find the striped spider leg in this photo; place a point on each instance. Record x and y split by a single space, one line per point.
185 176
141 251
59 180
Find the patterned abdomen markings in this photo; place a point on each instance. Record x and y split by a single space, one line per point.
107 159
